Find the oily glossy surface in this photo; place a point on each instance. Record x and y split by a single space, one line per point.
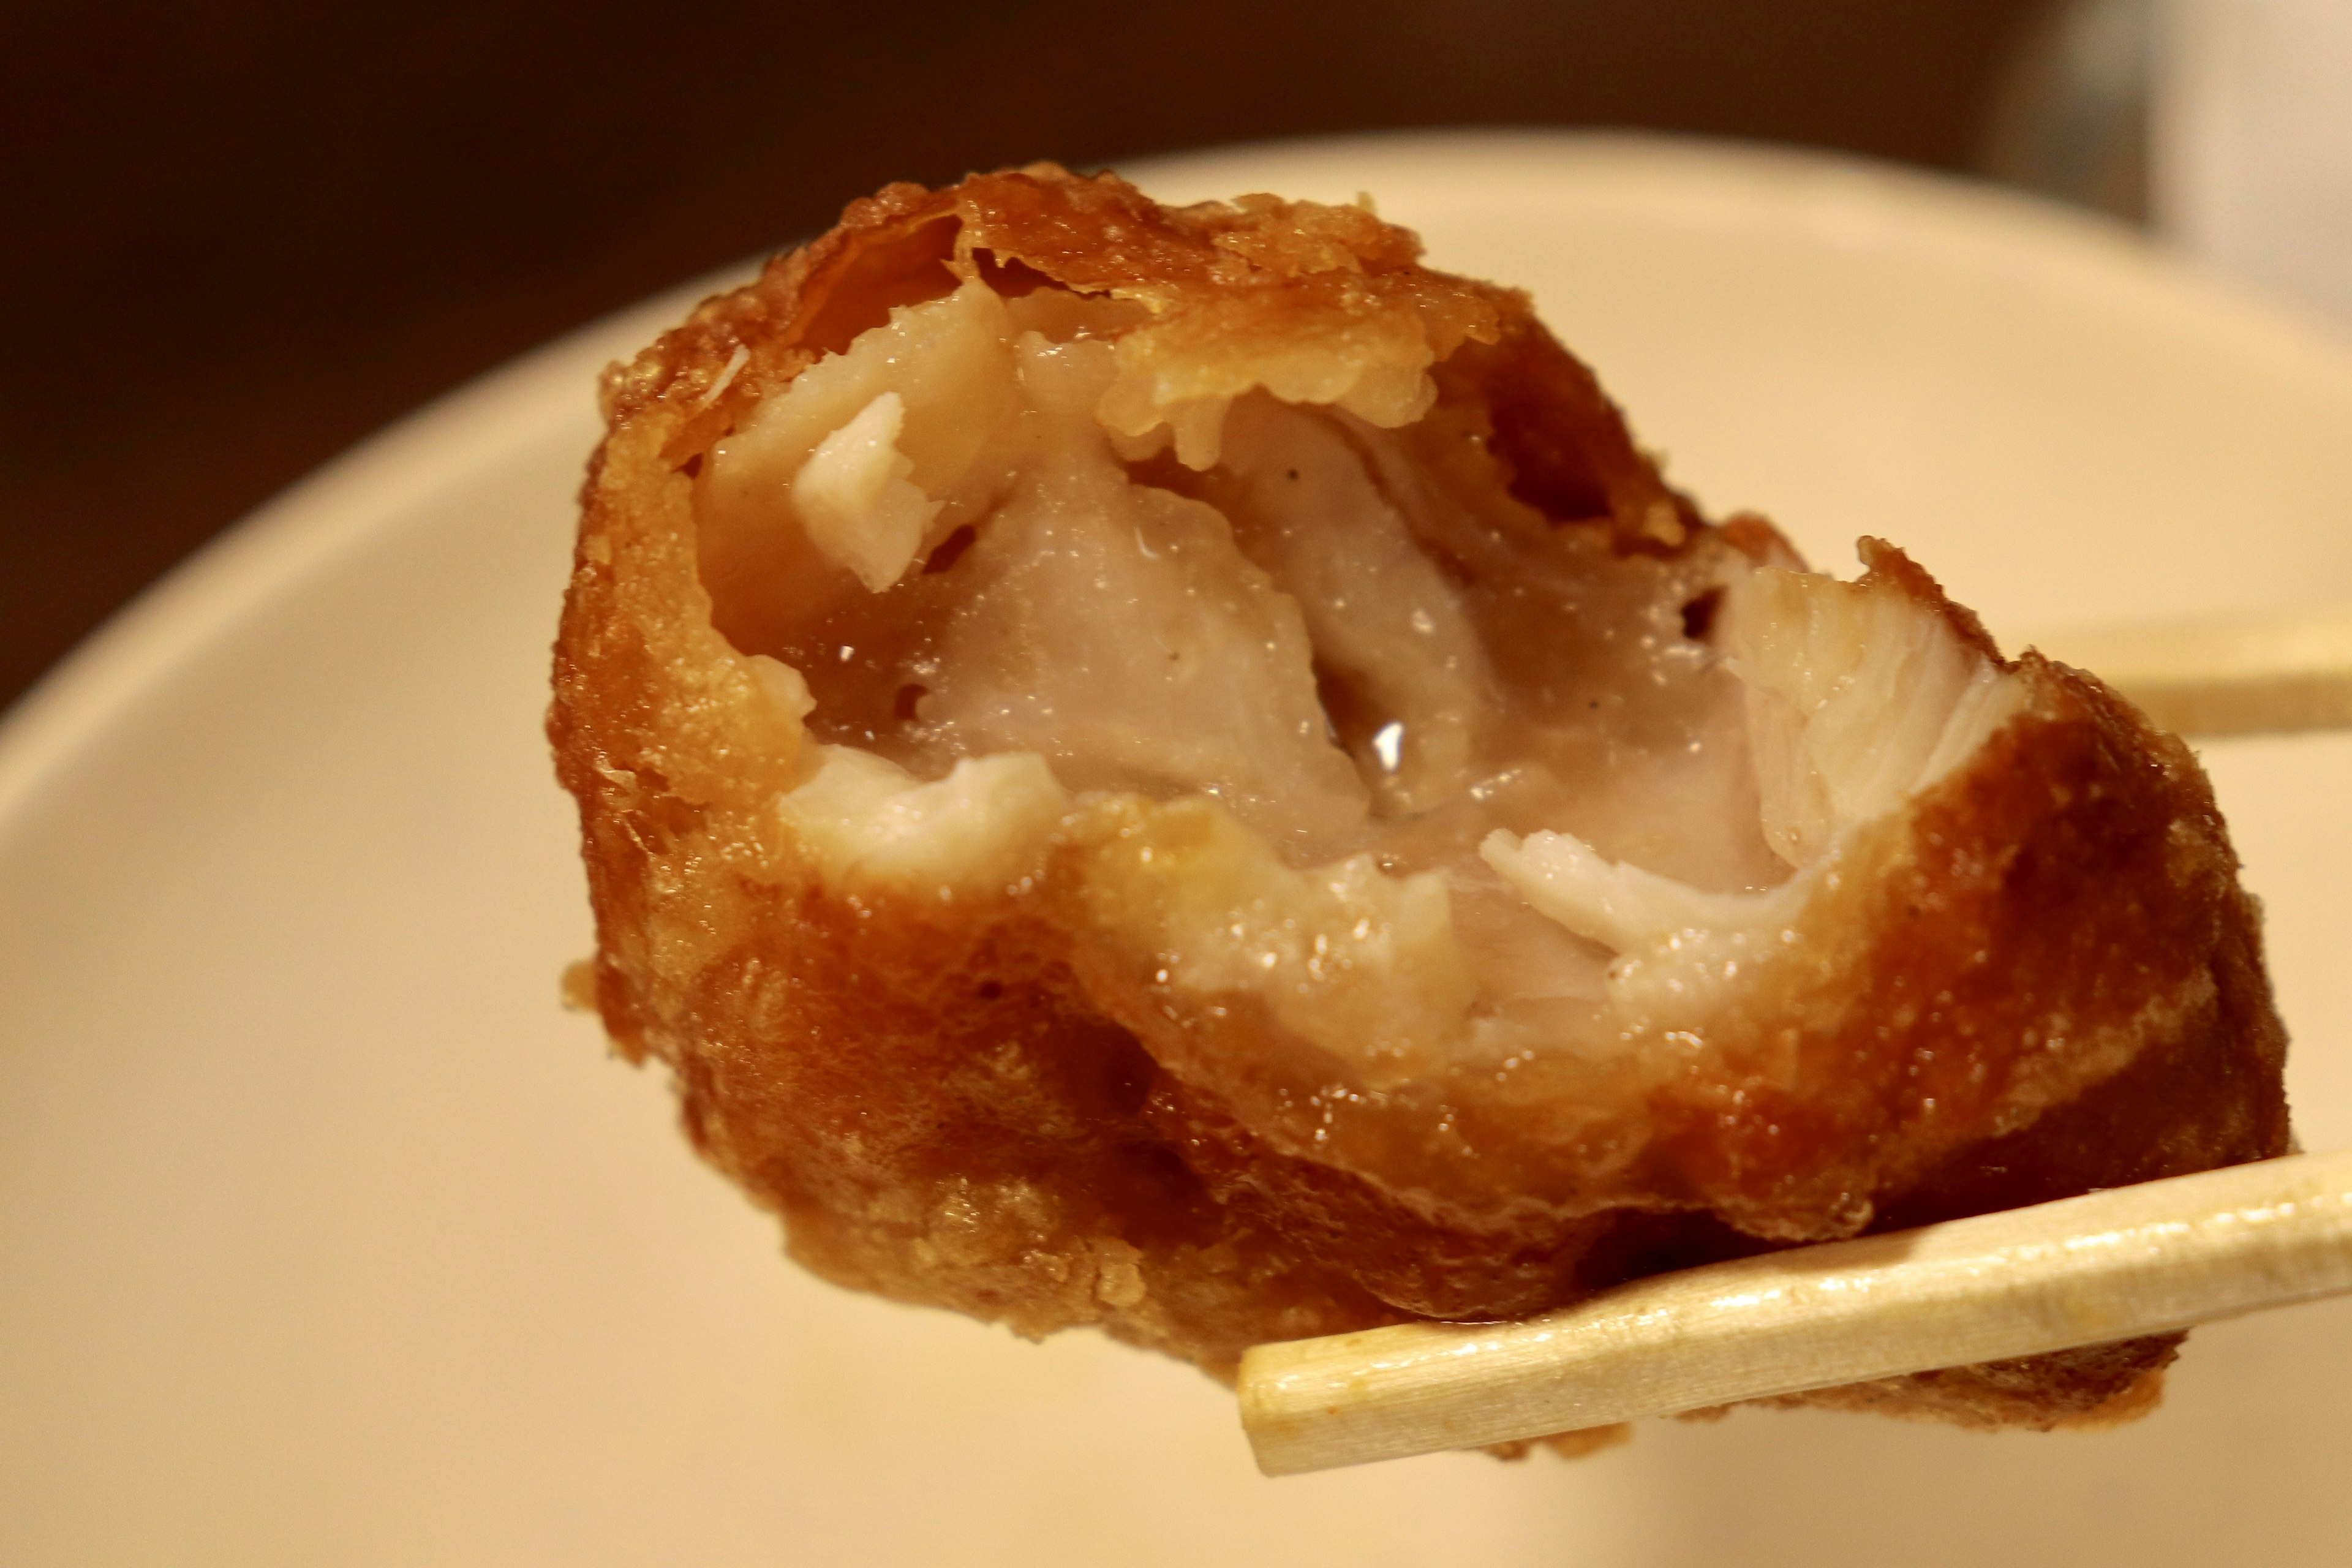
1130 1042
328 1238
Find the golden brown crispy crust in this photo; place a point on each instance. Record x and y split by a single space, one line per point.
975 1106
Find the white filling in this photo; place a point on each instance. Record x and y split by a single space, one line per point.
1857 700
1476 787
867 819
857 502
784 686
1625 908
860 449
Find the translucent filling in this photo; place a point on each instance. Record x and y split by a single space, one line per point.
964 539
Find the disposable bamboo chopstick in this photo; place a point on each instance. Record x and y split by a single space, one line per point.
2132 1260
2224 674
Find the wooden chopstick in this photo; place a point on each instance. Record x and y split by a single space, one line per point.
2224 674
2132 1260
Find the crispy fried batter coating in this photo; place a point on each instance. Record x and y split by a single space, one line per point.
1174 769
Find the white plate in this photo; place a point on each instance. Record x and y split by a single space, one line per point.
325 1238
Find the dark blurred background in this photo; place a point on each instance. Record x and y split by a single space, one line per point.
241 236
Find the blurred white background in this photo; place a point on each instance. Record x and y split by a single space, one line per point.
2226 125
2251 142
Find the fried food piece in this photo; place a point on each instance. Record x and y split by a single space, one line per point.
1177 770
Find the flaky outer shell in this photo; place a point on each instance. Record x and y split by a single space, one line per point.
2054 985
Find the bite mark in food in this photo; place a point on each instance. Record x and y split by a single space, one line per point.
1179 771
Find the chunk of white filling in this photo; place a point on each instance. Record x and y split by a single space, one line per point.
1621 906
784 686
941 375
1858 699
865 818
856 500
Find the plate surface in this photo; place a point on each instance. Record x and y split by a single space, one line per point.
326 1237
